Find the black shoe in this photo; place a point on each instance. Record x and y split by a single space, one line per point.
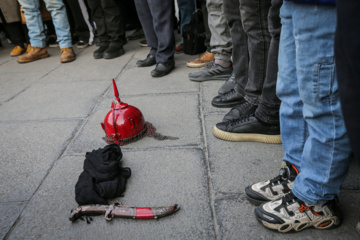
113 52
229 99
248 129
137 34
228 85
82 44
99 53
143 43
163 69
148 61
240 110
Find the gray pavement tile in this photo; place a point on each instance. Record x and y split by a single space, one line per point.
139 81
161 177
209 91
165 112
57 100
236 220
9 212
28 150
235 165
14 83
86 68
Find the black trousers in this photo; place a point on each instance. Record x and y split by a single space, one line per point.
80 27
206 24
15 31
156 17
109 23
347 55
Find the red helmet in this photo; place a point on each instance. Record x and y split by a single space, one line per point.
123 122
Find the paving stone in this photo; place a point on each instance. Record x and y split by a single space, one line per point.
209 91
14 83
236 220
9 212
28 150
163 111
57 100
161 177
235 165
134 81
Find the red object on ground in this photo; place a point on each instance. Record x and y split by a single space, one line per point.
144 213
123 122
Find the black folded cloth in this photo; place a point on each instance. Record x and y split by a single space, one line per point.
103 177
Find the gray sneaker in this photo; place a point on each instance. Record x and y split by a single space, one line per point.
211 71
291 214
228 85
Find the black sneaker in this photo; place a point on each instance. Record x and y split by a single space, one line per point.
211 71
82 44
273 189
239 111
248 129
227 100
228 85
290 213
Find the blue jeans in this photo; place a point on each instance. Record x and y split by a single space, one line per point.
312 127
35 24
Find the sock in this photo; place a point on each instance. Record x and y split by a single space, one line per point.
222 63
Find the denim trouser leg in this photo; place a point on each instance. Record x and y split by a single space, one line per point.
34 22
268 109
186 9
240 54
315 132
254 16
61 22
221 44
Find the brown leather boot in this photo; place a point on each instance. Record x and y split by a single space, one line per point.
67 55
33 54
201 61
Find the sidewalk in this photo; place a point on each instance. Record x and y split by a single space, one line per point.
50 115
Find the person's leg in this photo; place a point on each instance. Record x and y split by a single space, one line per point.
161 11
326 154
99 18
326 151
81 28
61 23
220 33
114 22
34 22
268 109
254 16
146 19
186 9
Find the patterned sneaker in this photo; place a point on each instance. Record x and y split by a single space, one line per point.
290 213
212 71
272 189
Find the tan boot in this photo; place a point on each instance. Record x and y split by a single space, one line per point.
33 54
17 51
201 61
67 55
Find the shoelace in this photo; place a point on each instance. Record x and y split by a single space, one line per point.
240 120
204 55
289 198
242 107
